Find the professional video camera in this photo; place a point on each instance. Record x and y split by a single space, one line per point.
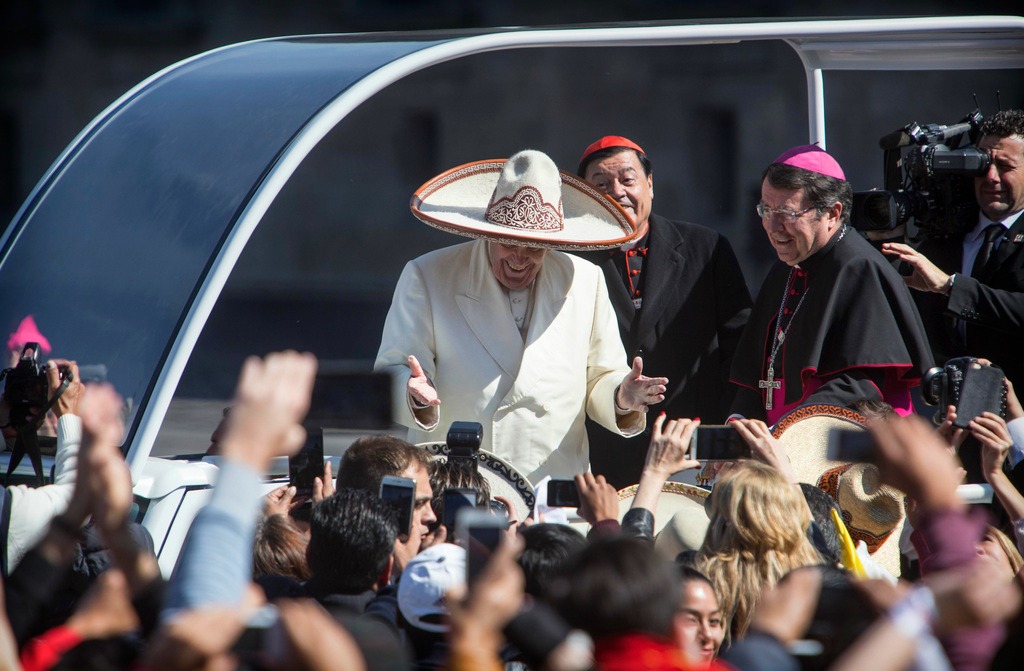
929 174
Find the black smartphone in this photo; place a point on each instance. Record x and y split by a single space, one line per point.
851 445
351 400
982 391
480 531
718 443
455 499
307 463
400 493
563 494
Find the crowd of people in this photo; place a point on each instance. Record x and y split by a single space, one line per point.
621 346
257 586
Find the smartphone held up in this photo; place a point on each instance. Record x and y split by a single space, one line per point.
718 443
480 531
401 494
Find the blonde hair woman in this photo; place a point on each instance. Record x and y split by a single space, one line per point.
1000 548
757 534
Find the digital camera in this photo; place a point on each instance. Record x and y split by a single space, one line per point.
967 385
26 385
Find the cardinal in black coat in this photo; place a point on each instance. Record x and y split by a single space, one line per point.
681 303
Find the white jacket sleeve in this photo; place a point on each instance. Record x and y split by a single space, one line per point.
32 508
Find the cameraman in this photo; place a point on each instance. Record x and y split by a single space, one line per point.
25 512
972 289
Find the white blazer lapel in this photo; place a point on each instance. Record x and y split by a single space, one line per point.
485 308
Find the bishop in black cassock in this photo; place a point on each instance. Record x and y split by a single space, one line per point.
833 322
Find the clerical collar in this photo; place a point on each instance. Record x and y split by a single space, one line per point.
814 261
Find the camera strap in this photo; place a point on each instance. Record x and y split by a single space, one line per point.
5 527
27 440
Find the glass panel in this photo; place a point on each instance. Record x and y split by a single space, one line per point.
110 252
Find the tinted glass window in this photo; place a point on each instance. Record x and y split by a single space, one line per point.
109 254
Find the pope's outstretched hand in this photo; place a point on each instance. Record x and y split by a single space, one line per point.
638 391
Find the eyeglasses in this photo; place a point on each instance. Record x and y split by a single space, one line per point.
788 216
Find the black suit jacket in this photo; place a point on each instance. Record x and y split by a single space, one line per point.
992 305
696 303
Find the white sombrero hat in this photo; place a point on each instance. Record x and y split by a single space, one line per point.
504 479
524 200
680 520
873 512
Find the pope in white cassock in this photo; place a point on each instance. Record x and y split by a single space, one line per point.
505 331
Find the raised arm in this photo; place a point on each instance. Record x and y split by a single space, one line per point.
270 402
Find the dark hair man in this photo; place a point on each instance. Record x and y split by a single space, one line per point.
351 539
833 322
546 547
680 298
970 290
365 463
627 598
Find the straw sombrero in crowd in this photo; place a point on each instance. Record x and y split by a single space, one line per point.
680 521
873 512
523 200
504 479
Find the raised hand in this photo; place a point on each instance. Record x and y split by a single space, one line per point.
926 276
668 451
271 401
419 386
280 501
103 486
316 641
915 460
764 446
637 391
67 404
953 435
324 487
598 500
990 430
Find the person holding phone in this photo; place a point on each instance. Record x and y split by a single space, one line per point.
365 464
969 287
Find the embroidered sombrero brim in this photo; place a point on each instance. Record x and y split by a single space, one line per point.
457 201
871 513
680 521
504 479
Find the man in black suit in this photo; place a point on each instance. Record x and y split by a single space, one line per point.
681 302
971 289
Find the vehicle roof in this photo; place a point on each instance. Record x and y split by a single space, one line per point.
130 236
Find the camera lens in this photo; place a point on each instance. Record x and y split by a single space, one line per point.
931 385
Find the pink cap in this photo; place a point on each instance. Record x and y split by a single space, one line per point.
28 332
813 158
